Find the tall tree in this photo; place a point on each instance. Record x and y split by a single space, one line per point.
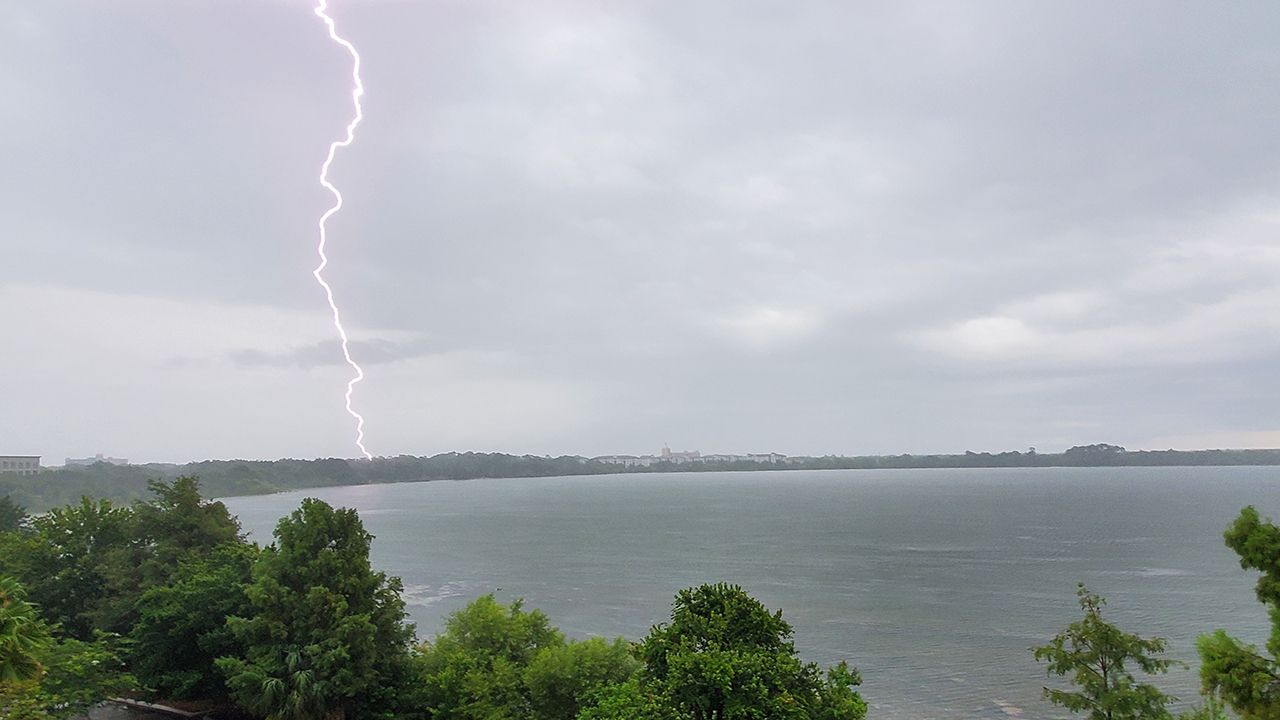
182 625
66 565
177 524
724 656
1246 679
1098 657
325 634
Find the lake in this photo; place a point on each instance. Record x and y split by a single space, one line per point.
934 583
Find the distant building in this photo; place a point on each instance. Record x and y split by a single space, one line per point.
19 464
626 460
687 457
99 458
679 458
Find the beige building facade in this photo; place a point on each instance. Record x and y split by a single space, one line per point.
19 464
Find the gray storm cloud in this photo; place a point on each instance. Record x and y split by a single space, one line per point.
838 227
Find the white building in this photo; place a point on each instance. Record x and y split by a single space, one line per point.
722 457
20 464
689 456
99 458
680 458
626 460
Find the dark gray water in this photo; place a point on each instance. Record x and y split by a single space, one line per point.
933 582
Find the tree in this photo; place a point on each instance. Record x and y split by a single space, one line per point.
82 674
182 626
86 565
631 700
23 637
560 679
475 669
65 564
1247 680
62 678
12 515
724 656
1095 654
177 524
174 525
499 661
324 635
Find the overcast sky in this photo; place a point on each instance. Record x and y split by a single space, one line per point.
597 228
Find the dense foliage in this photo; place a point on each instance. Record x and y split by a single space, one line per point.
182 625
496 661
1248 680
724 656
23 636
323 635
43 676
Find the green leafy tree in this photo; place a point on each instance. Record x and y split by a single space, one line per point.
496 661
325 635
77 675
631 700
476 668
724 656
23 636
177 524
1098 657
83 673
173 525
13 516
1246 679
182 626
87 565
66 564
560 679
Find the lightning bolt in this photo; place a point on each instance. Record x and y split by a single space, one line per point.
321 9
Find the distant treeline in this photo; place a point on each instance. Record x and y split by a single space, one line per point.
224 478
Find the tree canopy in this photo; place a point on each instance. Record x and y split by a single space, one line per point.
182 625
324 634
500 661
724 656
1248 680
1099 659
23 636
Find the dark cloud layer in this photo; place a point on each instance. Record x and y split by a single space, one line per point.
838 227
